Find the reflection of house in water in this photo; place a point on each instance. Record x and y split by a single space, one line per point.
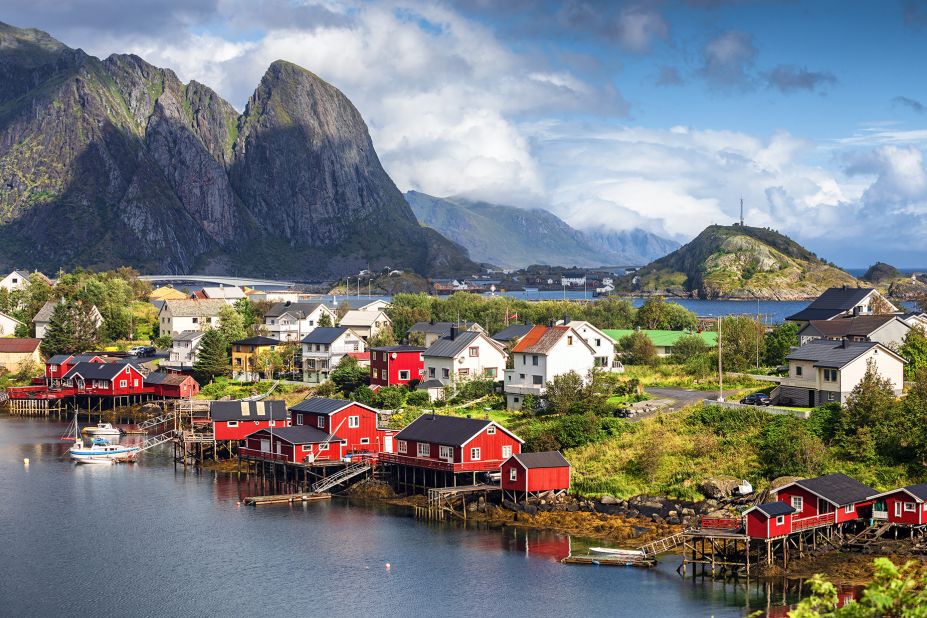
538 543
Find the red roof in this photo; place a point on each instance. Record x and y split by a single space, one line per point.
18 346
361 356
541 339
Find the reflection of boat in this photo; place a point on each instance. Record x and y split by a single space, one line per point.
102 429
98 453
615 553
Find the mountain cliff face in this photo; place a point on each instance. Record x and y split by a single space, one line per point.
740 262
513 237
113 162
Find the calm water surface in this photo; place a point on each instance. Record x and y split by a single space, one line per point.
149 540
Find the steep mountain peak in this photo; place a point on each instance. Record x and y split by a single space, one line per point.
741 262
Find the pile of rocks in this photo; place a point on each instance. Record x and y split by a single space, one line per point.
647 508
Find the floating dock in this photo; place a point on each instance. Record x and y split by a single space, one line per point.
625 561
285 499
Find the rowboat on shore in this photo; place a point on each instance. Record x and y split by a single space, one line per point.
615 553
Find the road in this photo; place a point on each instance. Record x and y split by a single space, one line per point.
217 280
683 397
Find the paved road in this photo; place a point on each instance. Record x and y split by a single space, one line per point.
683 397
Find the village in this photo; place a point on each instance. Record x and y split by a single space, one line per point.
348 428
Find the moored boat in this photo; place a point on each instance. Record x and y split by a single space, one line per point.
615 553
102 453
102 429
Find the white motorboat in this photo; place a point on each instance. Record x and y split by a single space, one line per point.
99 453
102 429
615 553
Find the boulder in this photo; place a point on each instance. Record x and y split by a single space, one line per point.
718 486
607 499
687 512
783 480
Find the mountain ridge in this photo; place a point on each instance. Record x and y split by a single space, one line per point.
116 161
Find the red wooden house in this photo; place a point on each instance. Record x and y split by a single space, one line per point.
297 444
770 520
355 423
105 379
531 473
396 365
235 420
906 506
825 500
58 365
172 385
450 446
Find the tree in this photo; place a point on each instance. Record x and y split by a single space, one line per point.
656 313
914 350
565 394
418 398
778 343
688 347
72 328
267 362
786 447
325 321
213 358
741 342
349 375
231 324
384 337
638 349
391 397
914 420
364 395
871 402
245 309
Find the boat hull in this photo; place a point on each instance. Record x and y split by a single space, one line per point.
615 553
92 455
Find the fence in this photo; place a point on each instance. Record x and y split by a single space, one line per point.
770 409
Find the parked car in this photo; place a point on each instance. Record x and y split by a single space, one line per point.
142 350
757 399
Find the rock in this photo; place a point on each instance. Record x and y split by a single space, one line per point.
783 480
672 520
153 409
718 486
675 513
656 519
473 505
510 505
607 499
687 511
530 509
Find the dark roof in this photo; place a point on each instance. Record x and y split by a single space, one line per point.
18 346
432 383
439 328
833 354
919 490
446 430
321 405
302 434
58 359
512 332
272 409
398 348
832 303
837 488
299 310
547 459
324 334
774 509
162 377
97 371
257 341
859 326
83 358
445 347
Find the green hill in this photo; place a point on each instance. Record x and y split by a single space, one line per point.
740 262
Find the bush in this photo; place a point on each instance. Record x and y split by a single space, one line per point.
391 397
638 349
785 447
418 398
728 421
577 429
688 347
825 421
350 375
363 395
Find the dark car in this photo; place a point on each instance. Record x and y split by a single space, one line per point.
756 399
143 350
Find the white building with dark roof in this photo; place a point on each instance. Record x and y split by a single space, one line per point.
325 347
460 356
287 321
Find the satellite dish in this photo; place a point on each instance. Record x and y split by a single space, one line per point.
393 356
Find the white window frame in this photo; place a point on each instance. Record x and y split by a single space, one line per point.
353 422
848 509
123 383
404 374
798 503
513 473
780 520
231 423
491 430
475 454
423 449
299 419
446 453
910 507
320 422
402 446
365 440
323 446
506 451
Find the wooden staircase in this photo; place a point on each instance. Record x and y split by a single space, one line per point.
661 546
869 535
340 477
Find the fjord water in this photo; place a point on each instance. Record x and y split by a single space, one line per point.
149 540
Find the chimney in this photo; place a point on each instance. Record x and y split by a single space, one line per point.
453 333
286 304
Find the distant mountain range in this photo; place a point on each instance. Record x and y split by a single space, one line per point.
512 237
116 162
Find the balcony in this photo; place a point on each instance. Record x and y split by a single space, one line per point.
816 521
435 464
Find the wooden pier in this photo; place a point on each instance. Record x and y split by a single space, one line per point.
285 499
624 561
451 502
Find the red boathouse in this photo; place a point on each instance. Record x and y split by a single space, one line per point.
172 385
524 474
354 423
829 499
58 365
297 444
235 420
906 506
769 521
396 365
104 379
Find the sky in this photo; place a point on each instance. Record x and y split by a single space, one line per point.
649 114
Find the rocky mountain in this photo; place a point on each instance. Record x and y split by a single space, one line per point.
115 161
740 262
881 272
513 237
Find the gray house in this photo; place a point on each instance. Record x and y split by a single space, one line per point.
889 330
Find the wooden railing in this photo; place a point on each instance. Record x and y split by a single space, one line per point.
436 464
815 521
722 523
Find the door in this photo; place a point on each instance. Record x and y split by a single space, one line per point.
898 509
388 444
811 398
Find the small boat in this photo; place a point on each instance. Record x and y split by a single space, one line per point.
102 453
615 553
102 429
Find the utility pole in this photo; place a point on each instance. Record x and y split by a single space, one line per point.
720 369
741 211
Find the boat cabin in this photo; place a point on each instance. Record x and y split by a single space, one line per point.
769 520
906 506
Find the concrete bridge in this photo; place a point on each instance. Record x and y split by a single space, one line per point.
217 280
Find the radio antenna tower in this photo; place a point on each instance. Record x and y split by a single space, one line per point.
741 211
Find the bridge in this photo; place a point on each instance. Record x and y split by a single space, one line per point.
217 280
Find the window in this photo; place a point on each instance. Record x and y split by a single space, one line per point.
401 446
353 422
513 474
404 374
537 380
464 371
299 419
272 423
196 320
490 372
123 383
831 396
321 422
474 351
423 449
323 446
521 376
848 509
797 371
365 441
475 454
431 372
598 343
830 375
311 363
569 339
445 373
232 424
446 453
910 507
491 431
534 360
780 520
376 374
506 452
53 367
797 502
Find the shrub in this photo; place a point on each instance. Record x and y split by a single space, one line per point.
785 447
418 398
363 395
688 347
391 397
638 349
723 421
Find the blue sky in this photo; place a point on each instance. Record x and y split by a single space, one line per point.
651 114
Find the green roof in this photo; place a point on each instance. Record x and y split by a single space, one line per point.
665 338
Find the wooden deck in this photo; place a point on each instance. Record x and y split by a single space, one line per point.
625 561
285 499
